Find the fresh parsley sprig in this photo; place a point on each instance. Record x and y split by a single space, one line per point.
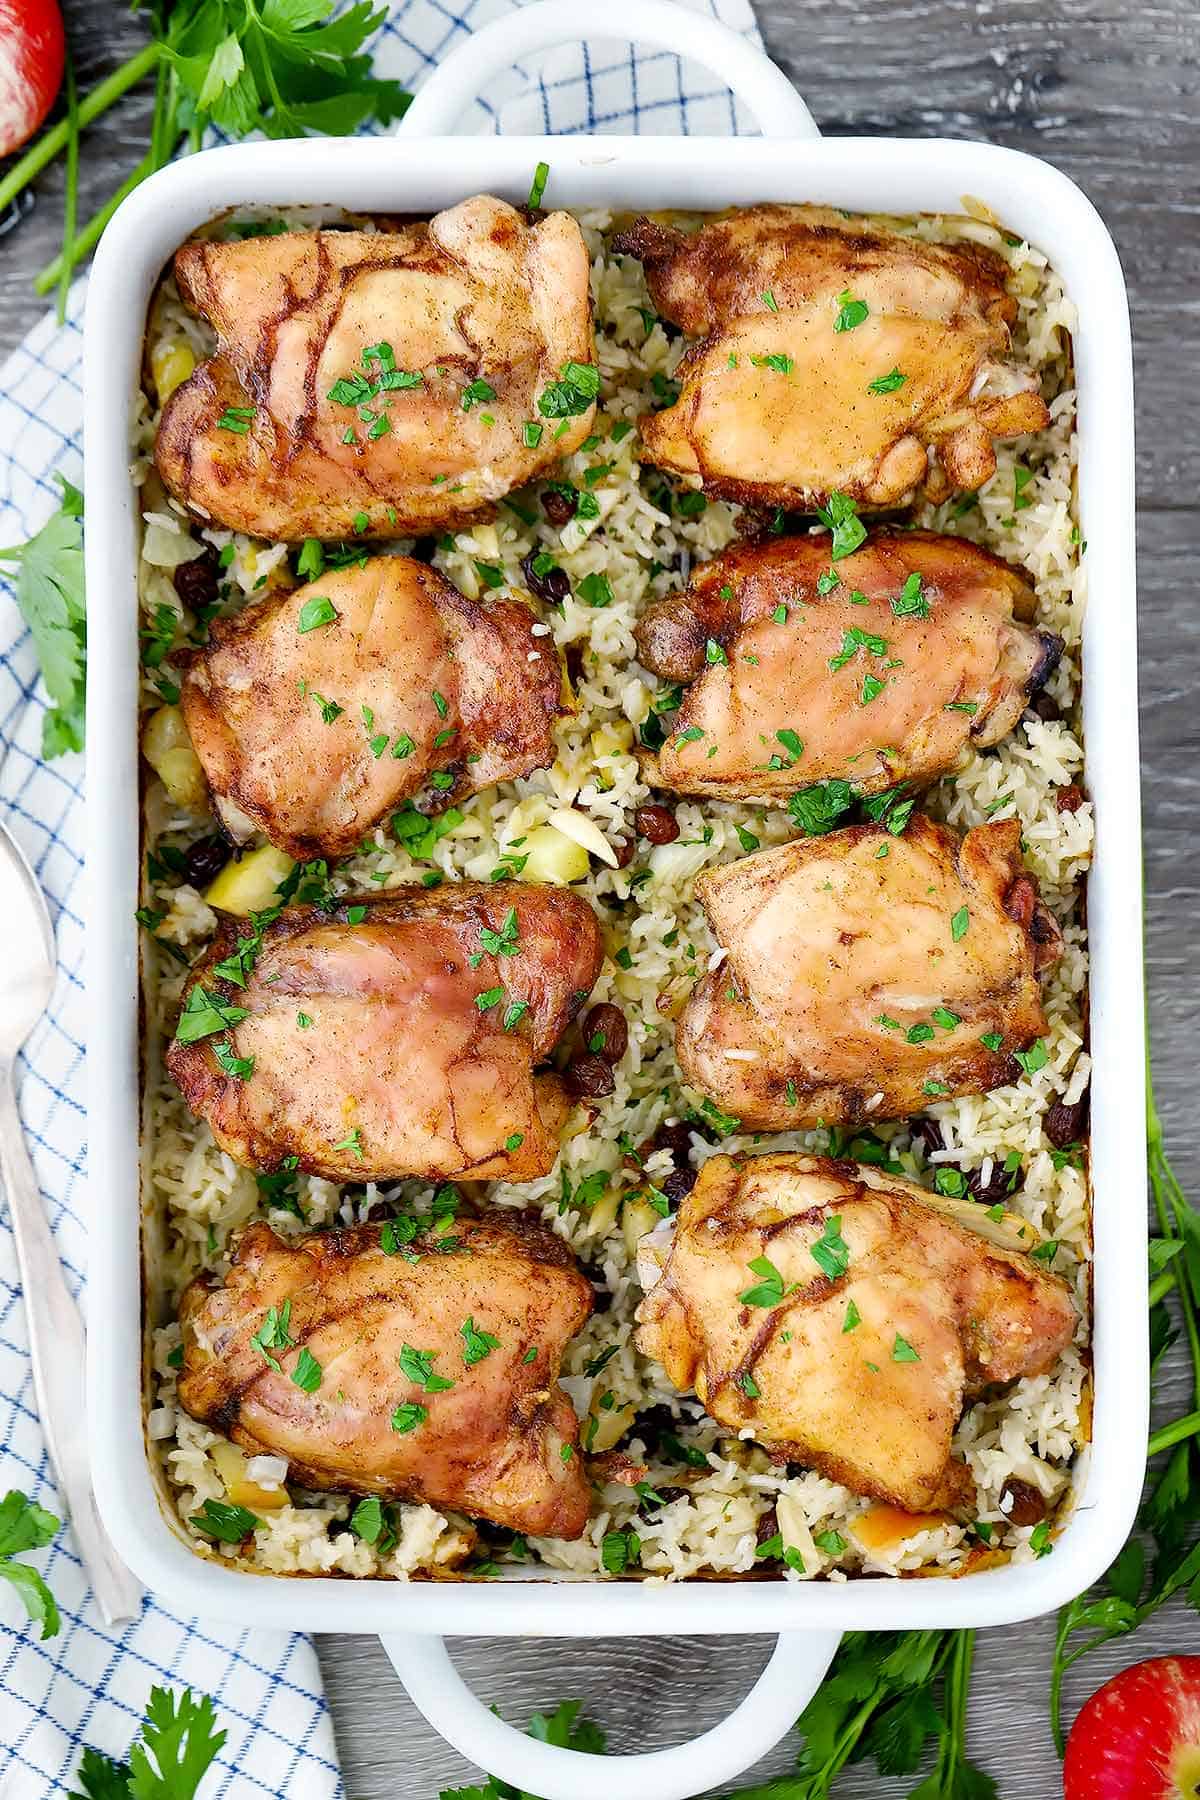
281 67
1137 1585
48 584
176 1748
26 1526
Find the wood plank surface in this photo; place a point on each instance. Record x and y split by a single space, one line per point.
1109 93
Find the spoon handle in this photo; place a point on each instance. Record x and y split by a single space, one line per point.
56 1344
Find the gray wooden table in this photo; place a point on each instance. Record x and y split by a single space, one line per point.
1108 92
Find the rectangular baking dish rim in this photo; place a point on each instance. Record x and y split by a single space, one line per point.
872 174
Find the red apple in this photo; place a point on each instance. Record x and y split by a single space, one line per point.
1138 1738
32 53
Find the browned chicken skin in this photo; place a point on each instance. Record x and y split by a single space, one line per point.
899 1312
942 661
312 735
371 1051
309 324
792 430
499 1440
863 972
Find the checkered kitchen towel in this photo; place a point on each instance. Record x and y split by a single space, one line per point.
89 1685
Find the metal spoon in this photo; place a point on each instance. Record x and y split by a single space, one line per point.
56 1340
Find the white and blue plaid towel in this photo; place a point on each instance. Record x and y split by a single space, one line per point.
89 1685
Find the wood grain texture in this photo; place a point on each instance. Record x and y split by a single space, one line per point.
1108 92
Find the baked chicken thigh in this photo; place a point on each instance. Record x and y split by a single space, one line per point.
393 1036
315 713
381 383
866 974
884 1311
428 1375
834 355
883 666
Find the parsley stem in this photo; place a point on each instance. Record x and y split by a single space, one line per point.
1174 1433
1160 1288
71 197
51 142
52 274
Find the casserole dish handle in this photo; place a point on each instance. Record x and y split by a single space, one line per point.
763 89
778 1697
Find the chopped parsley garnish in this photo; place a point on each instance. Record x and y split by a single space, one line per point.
911 602
791 743
237 419
620 1550
537 186
959 924
573 393
274 1334
887 384
831 1542
841 516
778 360
1033 1059
746 839
853 1318
831 1252
408 1415
851 312
307 1373
476 392
514 1141
817 809
595 590
992 1040
318 611
353 1143
854 639
418 1366
828 581
228 1524
204 1015
531 434
476 1344
506 941
872 687
903 1352
770 1289
770 302
748 1385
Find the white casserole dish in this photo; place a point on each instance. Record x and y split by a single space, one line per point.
788 163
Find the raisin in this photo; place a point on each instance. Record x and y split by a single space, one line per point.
1069 799
557 508
553 587
678 1183
605 1033
929 1133
589 1077
767 1527
1065 1124
1046 707
204 860
677 1138
196 582
657 824
999 1188
1028 1506
624 850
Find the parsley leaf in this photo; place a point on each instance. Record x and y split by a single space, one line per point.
24 1525
48 584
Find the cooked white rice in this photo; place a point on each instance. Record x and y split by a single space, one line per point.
198 1198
